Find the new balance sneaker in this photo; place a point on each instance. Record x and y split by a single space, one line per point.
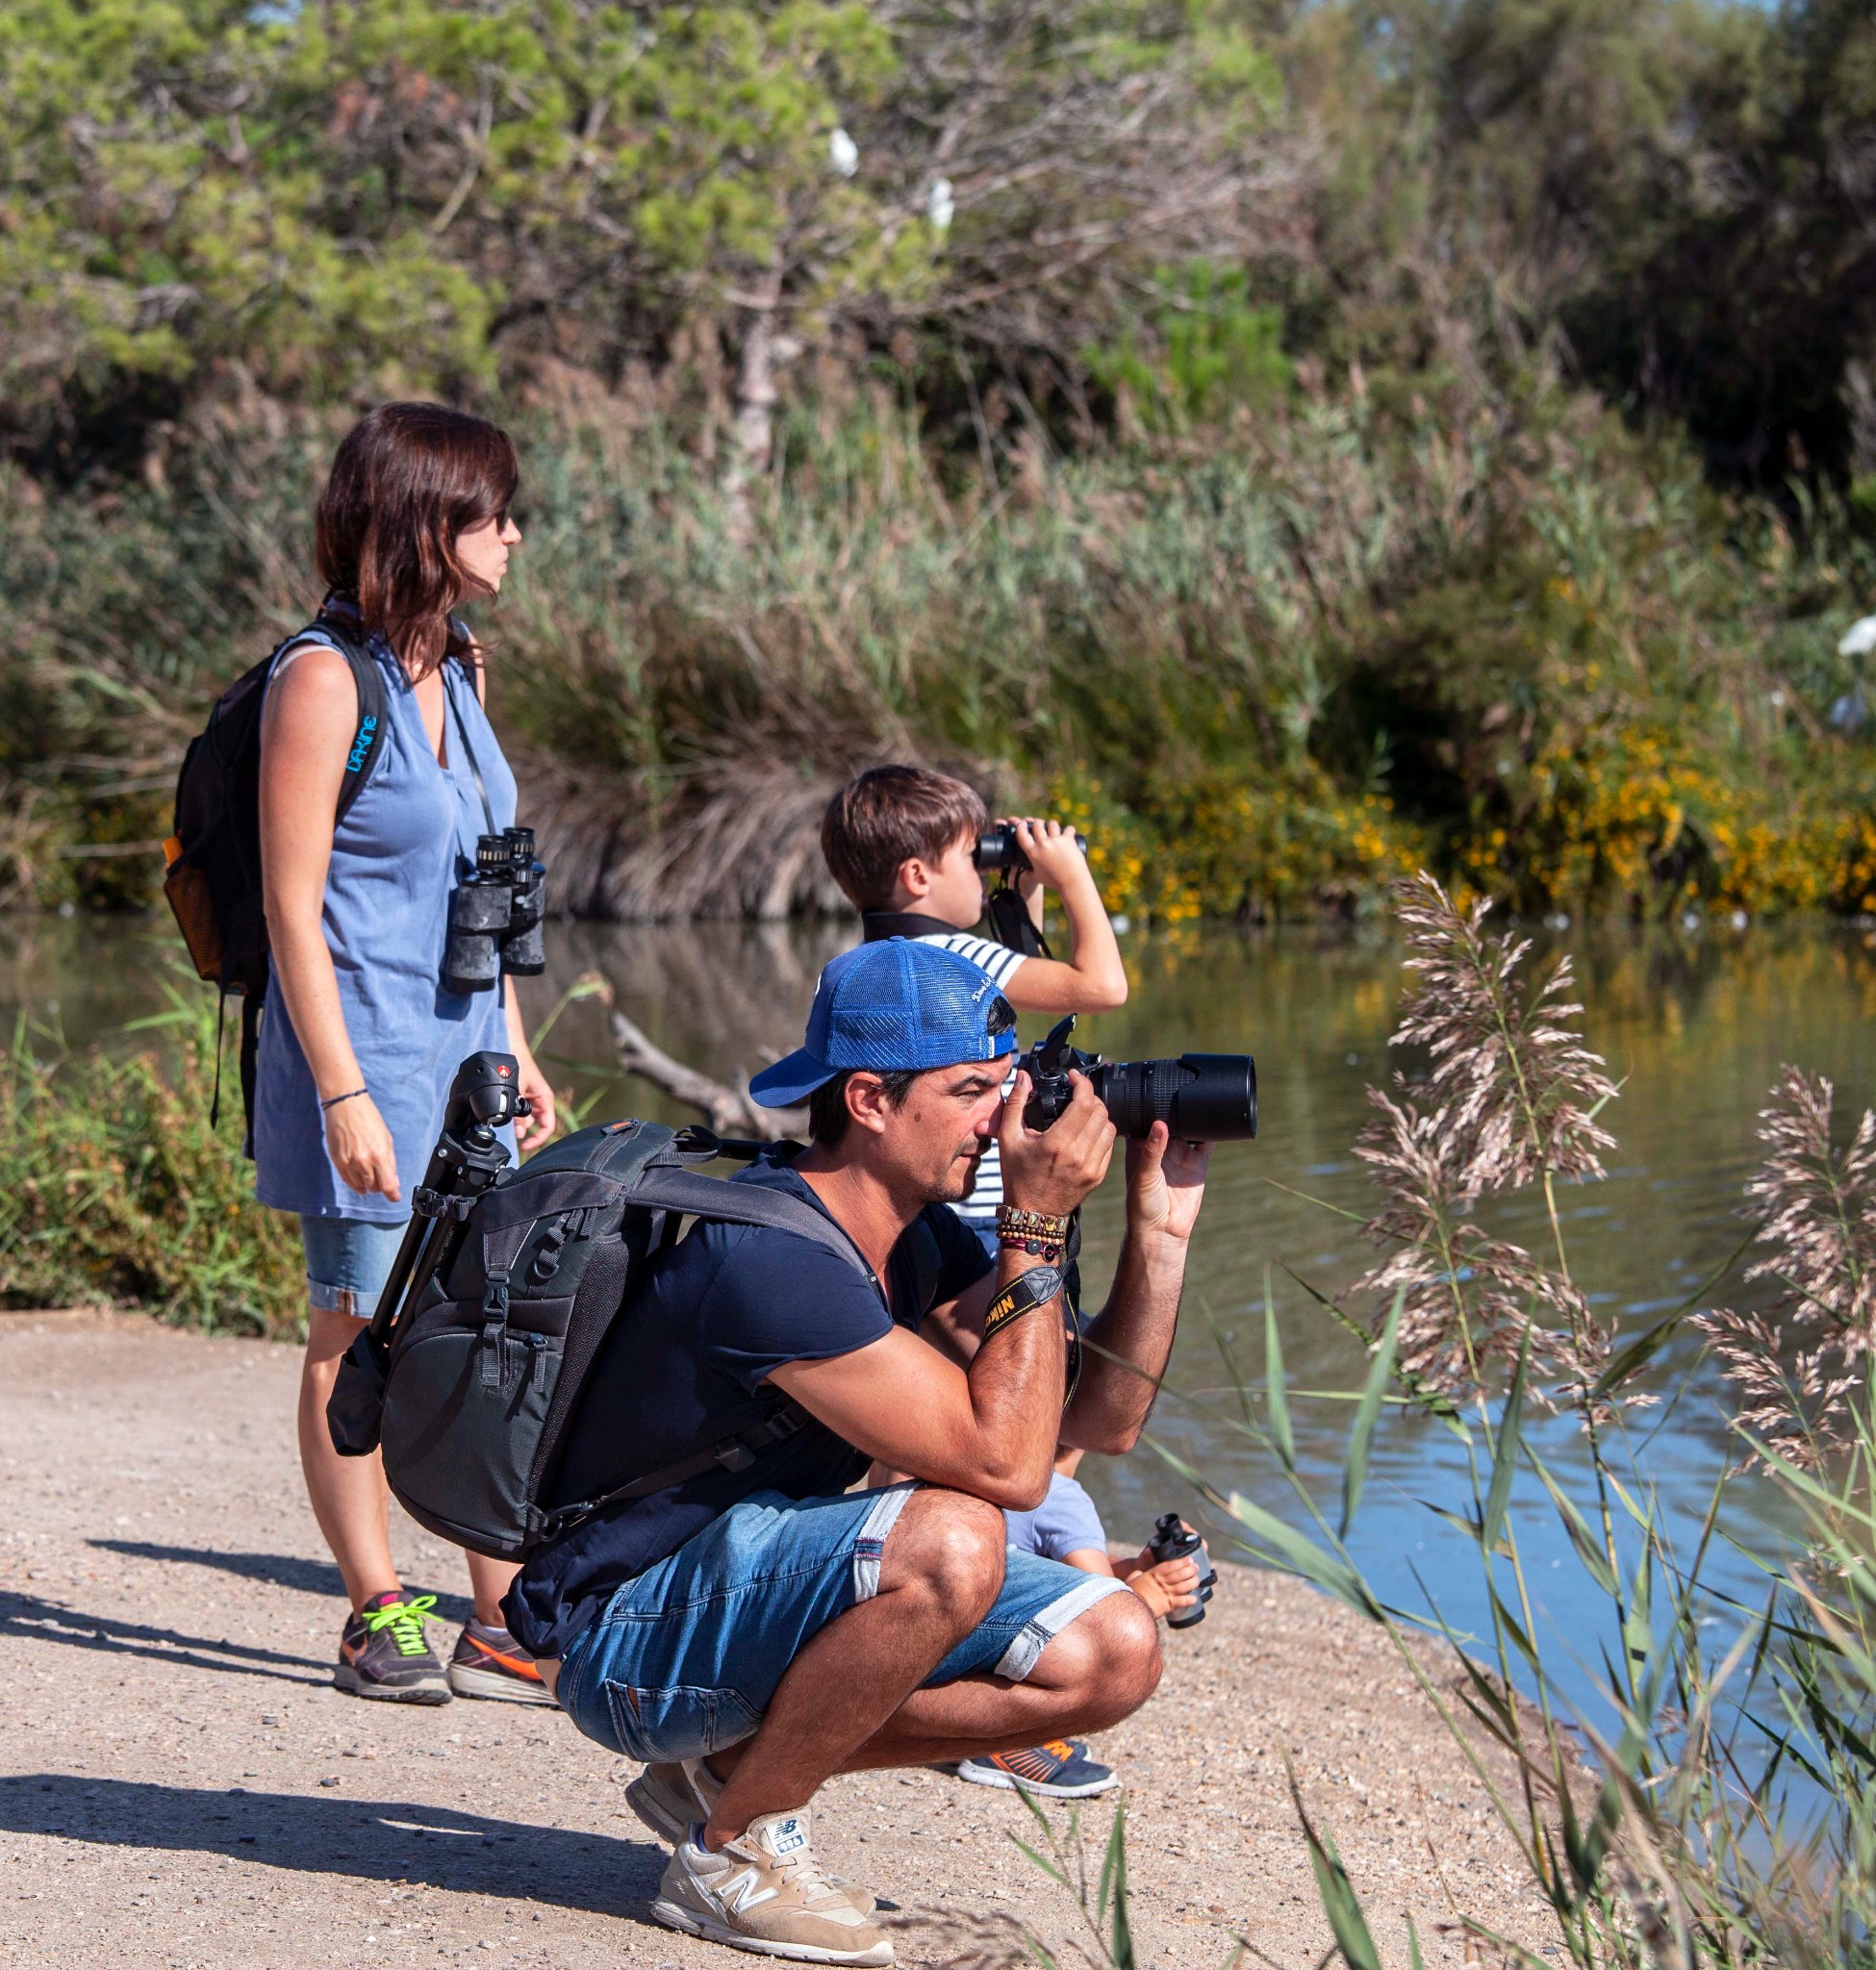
765 1892
489 1662
1056 1770
671 1798
384 1653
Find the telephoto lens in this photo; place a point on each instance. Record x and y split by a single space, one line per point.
1201 1097
479 911
998 848
1171 1540
524 948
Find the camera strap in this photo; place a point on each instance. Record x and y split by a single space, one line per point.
1011 924
1023 1293
469 751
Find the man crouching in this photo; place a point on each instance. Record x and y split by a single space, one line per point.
750 1632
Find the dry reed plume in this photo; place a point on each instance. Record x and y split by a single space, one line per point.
1509 1098
1798 1364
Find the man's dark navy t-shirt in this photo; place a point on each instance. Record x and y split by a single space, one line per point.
685 1367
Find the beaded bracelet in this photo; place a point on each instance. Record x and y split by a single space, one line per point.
1036 1233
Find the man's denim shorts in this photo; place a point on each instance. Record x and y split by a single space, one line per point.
685 1657
347 1261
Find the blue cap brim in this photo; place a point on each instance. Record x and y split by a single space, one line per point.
791 1080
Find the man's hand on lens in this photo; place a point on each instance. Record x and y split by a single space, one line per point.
1165 1183
1054 1170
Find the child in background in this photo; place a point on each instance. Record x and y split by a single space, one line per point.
1066 1527
899 841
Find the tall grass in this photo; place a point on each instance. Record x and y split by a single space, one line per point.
1271 665
1713 1802
119 1191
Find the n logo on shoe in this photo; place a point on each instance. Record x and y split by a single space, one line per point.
788 1836
742 1892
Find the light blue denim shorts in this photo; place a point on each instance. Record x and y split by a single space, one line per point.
686 1657
347 1261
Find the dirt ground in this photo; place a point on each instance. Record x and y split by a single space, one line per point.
179 1786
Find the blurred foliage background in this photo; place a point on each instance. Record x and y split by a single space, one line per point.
1304 440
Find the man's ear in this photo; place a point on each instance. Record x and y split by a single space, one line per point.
867 1107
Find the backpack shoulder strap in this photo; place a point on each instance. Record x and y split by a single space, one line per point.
666 1189
369 682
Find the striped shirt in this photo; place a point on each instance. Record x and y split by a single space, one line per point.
978 1210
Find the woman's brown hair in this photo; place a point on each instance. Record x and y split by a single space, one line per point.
408 479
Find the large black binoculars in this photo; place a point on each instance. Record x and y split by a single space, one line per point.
494 915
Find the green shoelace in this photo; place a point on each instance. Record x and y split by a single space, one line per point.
405 1621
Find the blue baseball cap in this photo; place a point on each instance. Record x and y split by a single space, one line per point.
893 1004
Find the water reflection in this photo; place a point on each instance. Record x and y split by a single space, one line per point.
1694 1027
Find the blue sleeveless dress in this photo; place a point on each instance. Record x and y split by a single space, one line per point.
395 858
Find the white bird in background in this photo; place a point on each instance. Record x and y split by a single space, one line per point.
842 153
940 207
1859 638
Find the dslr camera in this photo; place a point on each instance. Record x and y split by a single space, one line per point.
998 848
494 915
1201 1097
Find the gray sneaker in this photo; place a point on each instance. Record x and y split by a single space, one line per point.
384 1653
764 1892
671 1798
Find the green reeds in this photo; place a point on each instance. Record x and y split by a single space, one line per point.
1689 1773
1269 666
119 1191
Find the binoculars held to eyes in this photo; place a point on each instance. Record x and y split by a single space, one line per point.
998 848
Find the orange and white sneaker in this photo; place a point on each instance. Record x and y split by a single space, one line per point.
489 1662
1056 1770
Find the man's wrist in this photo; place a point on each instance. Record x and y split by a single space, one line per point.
1157 1232
1041 1234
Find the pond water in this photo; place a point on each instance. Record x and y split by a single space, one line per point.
1696 1025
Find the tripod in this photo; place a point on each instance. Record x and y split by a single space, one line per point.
483 1098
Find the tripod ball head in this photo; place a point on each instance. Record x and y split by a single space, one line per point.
486 1094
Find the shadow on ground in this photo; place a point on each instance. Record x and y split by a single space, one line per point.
28 1616
370 1839
272 1569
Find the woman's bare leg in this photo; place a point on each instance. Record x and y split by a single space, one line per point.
488 1580
349 1496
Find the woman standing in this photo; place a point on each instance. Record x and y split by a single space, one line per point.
360 1038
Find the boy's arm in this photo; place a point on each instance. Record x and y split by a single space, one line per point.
1094 979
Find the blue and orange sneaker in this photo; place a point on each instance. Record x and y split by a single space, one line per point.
489 1662
1056 1770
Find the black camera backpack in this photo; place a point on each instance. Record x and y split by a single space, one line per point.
214 878
475 1399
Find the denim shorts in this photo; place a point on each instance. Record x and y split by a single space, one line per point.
347 1261
685 1659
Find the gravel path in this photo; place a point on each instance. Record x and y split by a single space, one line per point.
180 1786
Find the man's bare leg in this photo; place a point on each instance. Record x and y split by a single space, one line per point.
939 1572
1100 1667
